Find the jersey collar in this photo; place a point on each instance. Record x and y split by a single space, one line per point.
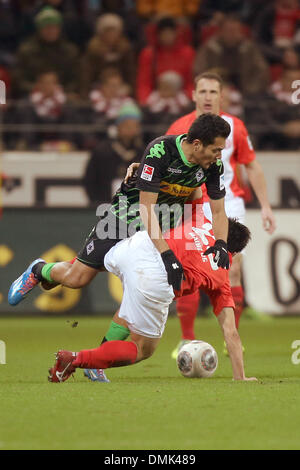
179 138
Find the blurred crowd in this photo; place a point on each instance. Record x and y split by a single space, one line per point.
84 73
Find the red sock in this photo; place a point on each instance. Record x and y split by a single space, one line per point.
109 354
238 297
187 308
73 260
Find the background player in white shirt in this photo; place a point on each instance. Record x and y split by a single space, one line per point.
238 151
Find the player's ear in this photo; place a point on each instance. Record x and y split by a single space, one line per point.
197 145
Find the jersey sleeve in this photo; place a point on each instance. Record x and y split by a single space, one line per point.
215 182
153 167
221 298
244 149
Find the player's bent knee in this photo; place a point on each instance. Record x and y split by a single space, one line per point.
145 350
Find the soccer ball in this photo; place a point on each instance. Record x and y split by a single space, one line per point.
197 359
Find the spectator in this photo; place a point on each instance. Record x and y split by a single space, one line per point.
175 8
75 25
109 95
109 48
240 8
48 97
184 32
166 55
46 50
278 114
283 89
290 61
124 8
106 100
286 110
236 58
276 28
109 161
168 97
46 104
212 27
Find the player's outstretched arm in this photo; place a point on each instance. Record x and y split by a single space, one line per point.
233 343
257 180
220 228
173 266
150 221
219 219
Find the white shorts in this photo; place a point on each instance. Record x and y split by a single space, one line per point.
146 292
234 208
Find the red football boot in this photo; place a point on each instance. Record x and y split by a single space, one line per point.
62 368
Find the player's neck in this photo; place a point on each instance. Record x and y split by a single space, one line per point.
199 112
187 150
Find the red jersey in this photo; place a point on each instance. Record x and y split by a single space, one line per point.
189 242
154 61
238 150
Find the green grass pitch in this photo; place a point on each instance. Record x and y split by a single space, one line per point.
148 405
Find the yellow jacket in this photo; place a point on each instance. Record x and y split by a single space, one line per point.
168 7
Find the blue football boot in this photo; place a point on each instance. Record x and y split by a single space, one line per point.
24 284
96 375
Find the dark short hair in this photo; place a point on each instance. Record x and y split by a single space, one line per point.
206 128
238 236
209 75
166 23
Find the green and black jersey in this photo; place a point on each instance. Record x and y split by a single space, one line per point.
165 170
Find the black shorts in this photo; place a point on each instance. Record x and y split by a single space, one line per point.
94 250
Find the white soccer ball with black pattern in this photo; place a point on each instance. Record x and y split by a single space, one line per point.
197 359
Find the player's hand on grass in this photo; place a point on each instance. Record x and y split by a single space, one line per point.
248 379
130 171
268 219
220 252
174 269
245 379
